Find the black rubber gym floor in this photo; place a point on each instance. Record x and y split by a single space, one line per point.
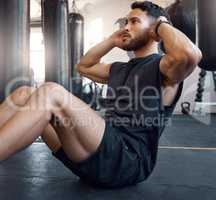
185 170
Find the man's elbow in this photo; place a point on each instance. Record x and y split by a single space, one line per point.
78 67
192 56
187 62
188 59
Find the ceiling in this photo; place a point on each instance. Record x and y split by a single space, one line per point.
81 4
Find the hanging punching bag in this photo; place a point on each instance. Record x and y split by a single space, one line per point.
76 22
14 40
207 31
2 68
183 17
56 37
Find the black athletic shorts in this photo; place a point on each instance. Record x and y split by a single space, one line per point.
112 165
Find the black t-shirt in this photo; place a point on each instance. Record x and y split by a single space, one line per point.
134 104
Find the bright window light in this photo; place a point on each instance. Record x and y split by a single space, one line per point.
94 32
37 55
93 35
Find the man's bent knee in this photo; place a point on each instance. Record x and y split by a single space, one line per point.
48 95
56 93
20 96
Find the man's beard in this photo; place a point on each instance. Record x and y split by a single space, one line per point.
136 43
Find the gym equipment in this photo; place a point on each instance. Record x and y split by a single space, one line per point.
201 85
76 24
183 17
214 79
90 92
14 40
56 37
185 106
2 72
207 29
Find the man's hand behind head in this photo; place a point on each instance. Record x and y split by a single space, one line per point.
152 30
119 37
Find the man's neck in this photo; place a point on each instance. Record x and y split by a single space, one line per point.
146 50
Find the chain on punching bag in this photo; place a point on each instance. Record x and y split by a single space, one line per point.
14 40
207 30
56 37
76 23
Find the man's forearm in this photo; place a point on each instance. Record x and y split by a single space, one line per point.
177 44
94 55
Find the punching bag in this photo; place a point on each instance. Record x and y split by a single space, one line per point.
56 37
2 68
14 40
206 33
183 17
76 22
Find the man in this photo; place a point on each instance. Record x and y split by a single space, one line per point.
121 149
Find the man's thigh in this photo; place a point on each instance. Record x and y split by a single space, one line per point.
80 129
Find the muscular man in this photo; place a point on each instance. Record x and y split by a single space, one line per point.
121 148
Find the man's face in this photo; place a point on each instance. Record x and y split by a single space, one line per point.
137 25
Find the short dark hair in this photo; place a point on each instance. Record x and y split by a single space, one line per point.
152 9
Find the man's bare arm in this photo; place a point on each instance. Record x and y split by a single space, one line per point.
98 72
90 66
182 56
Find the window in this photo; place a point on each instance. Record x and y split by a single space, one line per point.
37 55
